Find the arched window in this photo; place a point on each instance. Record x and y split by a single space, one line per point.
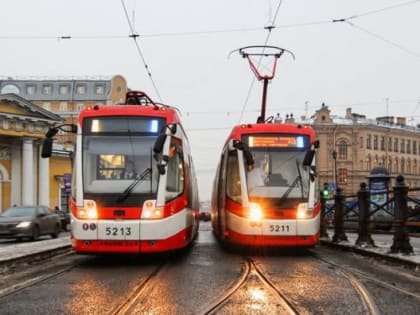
342 150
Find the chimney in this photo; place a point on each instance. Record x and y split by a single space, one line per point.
401 121
348 113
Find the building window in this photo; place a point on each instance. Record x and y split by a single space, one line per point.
368 141
402 171
30 89
100 89
382 143
63 106
47 89
389 166
395 145
375 142
64 89
389 144
408 166
414 147
402 149
408 146
342 150
342 175
79 106
81 89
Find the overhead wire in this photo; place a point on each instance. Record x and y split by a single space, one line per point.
410 52
134 35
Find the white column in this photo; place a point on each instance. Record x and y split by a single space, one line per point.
16 177
43 180
28 172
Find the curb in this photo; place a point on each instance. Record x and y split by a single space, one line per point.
399 259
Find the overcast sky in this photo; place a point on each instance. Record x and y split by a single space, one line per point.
370 61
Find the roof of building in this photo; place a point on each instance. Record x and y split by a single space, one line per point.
70 90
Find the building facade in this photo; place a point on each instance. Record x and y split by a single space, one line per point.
24 176
37 103
351 146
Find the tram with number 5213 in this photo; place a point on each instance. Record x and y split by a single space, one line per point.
134 188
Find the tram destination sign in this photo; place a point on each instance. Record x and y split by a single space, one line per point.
277 141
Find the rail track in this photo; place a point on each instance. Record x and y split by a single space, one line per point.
131 300
250 267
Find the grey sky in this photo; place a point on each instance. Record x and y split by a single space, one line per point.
361 63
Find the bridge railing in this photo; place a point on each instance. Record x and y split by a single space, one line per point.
360 209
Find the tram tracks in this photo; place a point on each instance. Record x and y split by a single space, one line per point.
356 277
131 300
250 267
12 283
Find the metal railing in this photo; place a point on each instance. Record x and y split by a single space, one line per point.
341 209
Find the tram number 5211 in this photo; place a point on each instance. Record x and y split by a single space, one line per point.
279 228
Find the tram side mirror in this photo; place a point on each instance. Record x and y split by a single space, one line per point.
245 149
160 141
172 128
309 157
47 148
248 158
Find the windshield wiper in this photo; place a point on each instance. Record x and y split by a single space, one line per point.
137 180
295 181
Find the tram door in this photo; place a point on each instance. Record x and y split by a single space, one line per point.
221 196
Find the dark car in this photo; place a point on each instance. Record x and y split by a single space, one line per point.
29 222
64 218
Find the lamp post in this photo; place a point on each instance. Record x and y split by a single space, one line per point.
334 156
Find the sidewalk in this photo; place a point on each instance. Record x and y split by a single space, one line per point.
383 243
16 251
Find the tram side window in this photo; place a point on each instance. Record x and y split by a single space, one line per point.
175 170
233 187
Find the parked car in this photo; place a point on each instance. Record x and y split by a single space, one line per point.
29 222
64 218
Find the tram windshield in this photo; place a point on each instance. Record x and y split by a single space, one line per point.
110 164
118 151
277 172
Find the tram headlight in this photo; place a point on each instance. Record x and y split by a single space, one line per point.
255 212
303 212
88 211
150 211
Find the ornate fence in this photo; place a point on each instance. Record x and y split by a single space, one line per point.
359 209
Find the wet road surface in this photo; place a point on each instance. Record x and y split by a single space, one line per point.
319 281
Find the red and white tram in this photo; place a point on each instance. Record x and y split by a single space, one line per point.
134 188
265 192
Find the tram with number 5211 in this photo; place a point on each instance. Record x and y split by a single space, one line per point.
265 188
133 188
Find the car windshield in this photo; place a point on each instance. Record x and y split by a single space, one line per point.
19 212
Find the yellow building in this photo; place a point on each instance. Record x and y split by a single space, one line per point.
25 178
28 107
352 145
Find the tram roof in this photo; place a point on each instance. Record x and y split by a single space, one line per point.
132 110
271 128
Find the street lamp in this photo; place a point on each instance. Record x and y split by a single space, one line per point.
334 156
